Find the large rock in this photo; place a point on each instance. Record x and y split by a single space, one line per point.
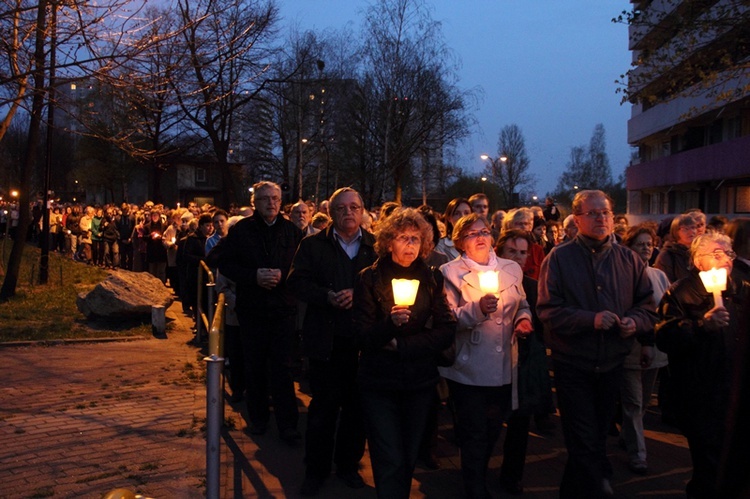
124 295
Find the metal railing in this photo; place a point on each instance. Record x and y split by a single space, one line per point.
214 397
203 320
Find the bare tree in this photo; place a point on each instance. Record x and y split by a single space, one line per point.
512 174
78 34
226 51
413 83
588 168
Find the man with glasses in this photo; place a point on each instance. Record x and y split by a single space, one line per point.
256 254
323 275
480 204
594 299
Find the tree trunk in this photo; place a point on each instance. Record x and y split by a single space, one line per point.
16 255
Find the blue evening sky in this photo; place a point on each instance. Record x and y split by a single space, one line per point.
548 66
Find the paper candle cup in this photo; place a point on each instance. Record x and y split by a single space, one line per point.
715 281
405 291
488 282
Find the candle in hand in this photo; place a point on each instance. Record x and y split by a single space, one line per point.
715 281
405 291
488 282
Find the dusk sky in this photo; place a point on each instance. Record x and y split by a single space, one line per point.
548 66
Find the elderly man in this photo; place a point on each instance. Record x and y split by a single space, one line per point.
322 275
256 254
300 216
594 298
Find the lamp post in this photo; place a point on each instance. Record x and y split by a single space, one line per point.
502 159
327 152
494 162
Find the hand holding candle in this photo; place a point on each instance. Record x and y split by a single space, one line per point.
489 285
715 281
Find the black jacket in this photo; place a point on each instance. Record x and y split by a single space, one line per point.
674 260
316 270
700 360
430 330
252 244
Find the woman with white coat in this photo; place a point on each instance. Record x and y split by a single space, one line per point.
482 380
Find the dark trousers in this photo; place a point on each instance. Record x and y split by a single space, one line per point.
97 251
126 255
267 350
234 352
395 422
514 446
587 406
703 425
480 412
335 426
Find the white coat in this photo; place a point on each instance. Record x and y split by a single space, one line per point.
486 349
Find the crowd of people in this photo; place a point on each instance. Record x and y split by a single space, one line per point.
617 306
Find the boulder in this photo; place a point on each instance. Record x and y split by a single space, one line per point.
124 295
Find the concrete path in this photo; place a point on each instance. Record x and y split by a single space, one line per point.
79 420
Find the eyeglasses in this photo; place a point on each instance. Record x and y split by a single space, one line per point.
477 233
719 253
413 240
266 199
594 214
689 228
643 245
342 208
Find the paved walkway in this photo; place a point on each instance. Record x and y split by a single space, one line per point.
81 419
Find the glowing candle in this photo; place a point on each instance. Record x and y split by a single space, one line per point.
405 291
715 281
488 282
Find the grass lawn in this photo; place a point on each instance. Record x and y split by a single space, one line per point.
49 312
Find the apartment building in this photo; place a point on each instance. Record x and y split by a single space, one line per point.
690 93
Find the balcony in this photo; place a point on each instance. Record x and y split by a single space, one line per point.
724 161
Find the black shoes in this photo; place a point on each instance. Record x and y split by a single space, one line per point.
290 435
431 462
257 429
352 479
311 486
514 487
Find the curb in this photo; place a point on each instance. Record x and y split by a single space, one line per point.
75 341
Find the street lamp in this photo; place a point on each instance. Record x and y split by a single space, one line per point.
494 161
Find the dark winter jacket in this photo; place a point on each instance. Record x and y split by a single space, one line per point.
430 330
576 282
321 265
251 244
674 260
700 360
